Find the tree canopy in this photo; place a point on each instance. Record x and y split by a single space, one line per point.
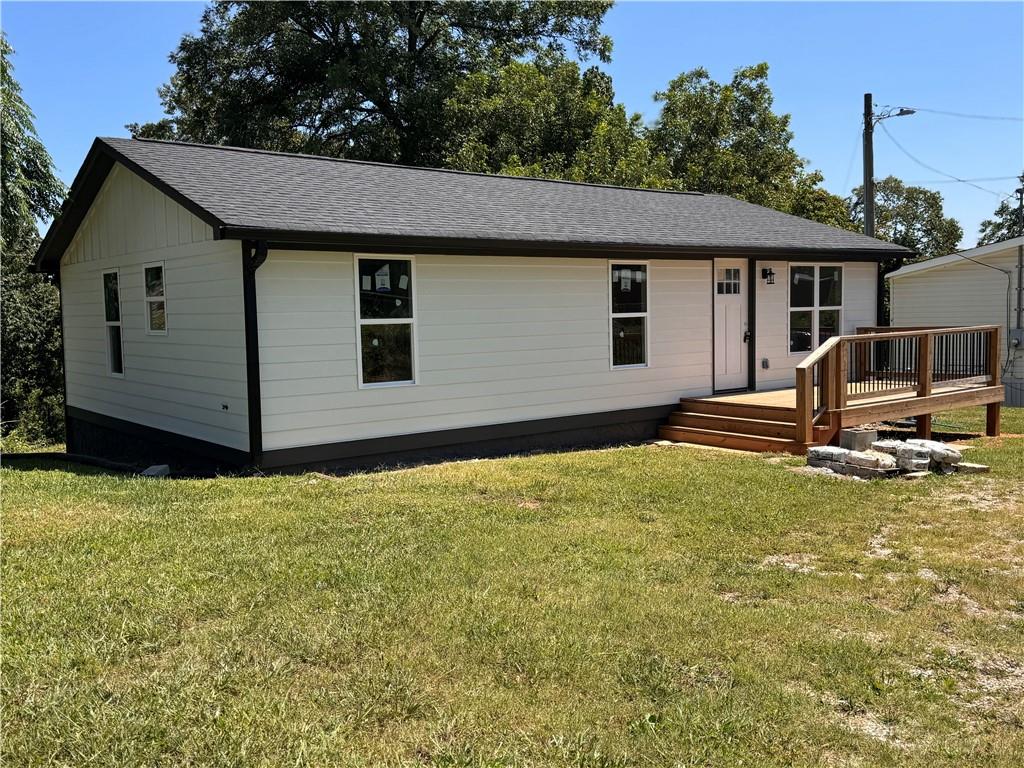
358 79
31 379
1005 223
909 216
547 118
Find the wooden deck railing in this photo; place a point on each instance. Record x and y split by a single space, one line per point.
879 362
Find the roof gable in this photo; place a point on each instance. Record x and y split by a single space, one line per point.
960 257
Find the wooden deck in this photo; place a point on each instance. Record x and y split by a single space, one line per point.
786 398
853 380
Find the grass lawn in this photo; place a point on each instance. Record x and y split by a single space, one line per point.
635 606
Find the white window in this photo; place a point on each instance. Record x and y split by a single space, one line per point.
112 318
156 303
628 299
386 321
815 305
728 281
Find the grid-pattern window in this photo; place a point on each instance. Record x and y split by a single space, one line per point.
629 315
387 323
156 303
815 305
728 281
112 319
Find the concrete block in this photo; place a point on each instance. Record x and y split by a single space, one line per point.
970 468
157 470
857 439
916 475
861 459
827 453
940 452
887 446
912 464
915 452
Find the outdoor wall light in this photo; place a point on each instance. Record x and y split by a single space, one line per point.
768 275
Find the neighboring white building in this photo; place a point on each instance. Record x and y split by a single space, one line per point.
974 287
286 310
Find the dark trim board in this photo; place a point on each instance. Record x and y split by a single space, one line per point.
283 240
253 256
591 429
96 434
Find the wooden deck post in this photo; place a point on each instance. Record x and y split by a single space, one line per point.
992 419
924 365
992 409
924 426
842 372
805 405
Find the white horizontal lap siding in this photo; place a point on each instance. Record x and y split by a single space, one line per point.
500 339
961 293
190 381
860 289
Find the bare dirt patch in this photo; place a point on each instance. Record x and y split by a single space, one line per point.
878 546
797 562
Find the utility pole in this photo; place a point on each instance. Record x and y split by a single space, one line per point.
1020 256
869 167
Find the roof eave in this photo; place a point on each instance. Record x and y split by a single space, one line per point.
312 240
87 184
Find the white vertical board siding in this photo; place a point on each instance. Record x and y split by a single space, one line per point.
179 382
500 339
860 289
961 293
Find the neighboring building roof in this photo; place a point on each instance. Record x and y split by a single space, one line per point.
280 197
959 257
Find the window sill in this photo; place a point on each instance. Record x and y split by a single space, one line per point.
629 367
387 384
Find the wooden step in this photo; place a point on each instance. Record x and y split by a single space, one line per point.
738 410
740 442
734 424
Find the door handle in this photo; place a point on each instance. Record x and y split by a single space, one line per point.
746 336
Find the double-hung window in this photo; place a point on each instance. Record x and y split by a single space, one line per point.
628 291
385 312
156 304
112 319
815 305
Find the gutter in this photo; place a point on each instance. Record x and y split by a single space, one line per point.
254 253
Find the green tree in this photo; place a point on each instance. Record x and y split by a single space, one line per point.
725 138
1005 223
31 381
360 79
547 118
909 216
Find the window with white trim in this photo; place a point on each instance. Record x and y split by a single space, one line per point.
156 303
112 320
386 332
628 290
815 305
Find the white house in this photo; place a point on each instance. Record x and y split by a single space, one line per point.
975 287
278 310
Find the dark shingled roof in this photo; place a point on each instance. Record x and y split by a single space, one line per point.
304 198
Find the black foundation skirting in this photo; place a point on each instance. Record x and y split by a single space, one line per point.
117 440
583 431
113 439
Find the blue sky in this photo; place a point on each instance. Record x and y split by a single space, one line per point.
89 68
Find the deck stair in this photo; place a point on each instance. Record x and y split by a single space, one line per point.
741 426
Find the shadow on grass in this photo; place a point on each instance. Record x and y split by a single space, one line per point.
59 462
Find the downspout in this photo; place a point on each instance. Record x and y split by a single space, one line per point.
254 253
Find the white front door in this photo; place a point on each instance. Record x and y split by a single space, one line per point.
730 324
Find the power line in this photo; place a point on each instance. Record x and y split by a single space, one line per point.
968 115
933 169
853 156
950 181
